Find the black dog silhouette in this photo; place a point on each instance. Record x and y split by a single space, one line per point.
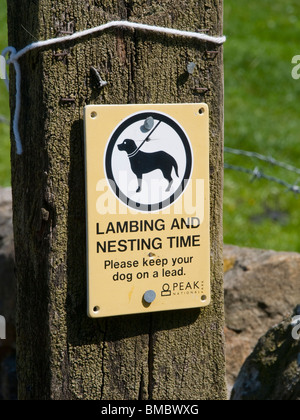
144 163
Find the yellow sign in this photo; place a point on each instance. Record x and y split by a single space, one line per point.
147 183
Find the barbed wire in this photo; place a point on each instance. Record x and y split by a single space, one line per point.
258 174
267 159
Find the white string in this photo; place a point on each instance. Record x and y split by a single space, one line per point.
18 141
15 56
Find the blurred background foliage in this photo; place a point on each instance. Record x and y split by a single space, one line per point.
262 115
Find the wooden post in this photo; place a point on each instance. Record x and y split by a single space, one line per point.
62 354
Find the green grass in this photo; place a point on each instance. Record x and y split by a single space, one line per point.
261 115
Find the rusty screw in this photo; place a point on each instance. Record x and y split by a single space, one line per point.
212 53
201 90
62 54
68 100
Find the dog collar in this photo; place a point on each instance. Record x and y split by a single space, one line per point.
134 153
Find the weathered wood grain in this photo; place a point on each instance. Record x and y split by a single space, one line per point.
61 353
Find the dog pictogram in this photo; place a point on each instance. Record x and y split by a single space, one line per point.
148 161
144 163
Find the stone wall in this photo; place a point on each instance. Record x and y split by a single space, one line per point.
262 288
272 371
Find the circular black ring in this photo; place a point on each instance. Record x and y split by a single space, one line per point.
108 162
